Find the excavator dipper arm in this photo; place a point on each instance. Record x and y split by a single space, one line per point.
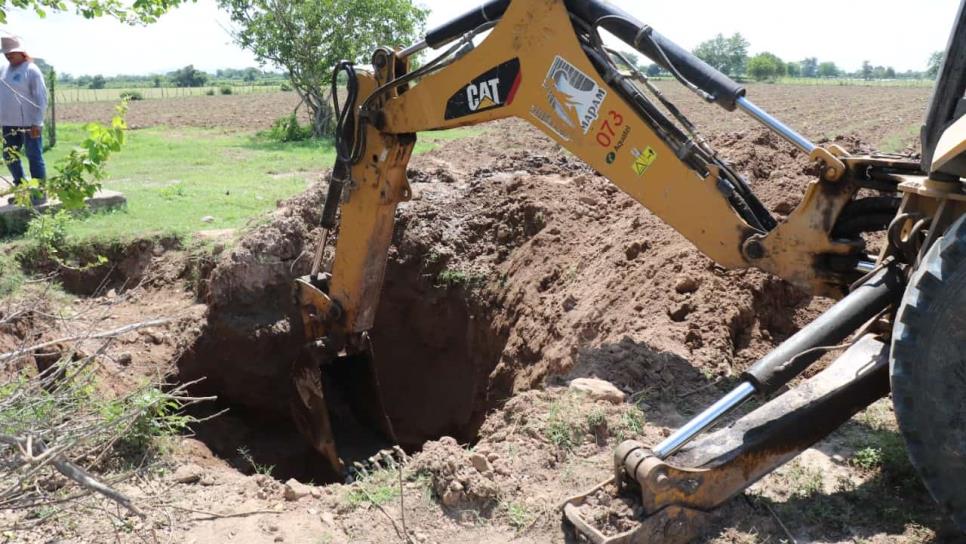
544 62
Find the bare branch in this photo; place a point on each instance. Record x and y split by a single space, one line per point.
92 336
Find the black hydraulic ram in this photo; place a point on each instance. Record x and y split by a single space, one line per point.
719 87
797 353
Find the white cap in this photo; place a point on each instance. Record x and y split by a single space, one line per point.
11 44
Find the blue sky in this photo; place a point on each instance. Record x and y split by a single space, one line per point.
888 32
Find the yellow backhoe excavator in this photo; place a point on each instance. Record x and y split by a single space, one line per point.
900 311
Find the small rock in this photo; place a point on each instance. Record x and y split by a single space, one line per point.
218 248
503 234
124 359
491 457
420 537
207 480
598 389
158 250
480 463
453 494
687 284
295 490
208 219
188 474
679 312
633 250
111 294
328 518
588 200
279 538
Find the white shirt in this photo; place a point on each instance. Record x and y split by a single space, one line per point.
23 95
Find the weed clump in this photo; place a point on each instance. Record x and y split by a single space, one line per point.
288 129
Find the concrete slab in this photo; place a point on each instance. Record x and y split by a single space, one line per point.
14 219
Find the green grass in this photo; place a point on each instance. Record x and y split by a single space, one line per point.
518 515
172 178
897 141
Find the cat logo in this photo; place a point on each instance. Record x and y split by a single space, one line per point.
493 89
483 95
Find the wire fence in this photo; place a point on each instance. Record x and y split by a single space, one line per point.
70 95
858 82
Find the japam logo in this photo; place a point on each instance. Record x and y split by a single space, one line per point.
492 89
575 97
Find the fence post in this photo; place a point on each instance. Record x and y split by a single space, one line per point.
52 104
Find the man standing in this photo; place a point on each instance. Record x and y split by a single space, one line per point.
23 102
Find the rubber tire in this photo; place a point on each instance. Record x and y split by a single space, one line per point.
928 371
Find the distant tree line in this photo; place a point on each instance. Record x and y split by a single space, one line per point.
731 56
188 76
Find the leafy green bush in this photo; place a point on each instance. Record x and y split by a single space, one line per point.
225 90
288 129
49 231
210 92
132 95
285 87
11 275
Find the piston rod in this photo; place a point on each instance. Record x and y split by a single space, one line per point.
704 420
794 355
782 129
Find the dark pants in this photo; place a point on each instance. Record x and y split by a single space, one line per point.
17 140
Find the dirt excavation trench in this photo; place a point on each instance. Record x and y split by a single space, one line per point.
507 269
434 342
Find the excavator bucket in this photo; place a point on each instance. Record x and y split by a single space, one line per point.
337 403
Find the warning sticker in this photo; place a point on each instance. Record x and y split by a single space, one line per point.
643 160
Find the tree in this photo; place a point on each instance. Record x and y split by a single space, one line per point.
935 64
309 37
809 67
765 66
42 64
156 82
188 77
793 69
728 55
890 73
97 82
654 70
828 69
135 12
251 74
867 71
